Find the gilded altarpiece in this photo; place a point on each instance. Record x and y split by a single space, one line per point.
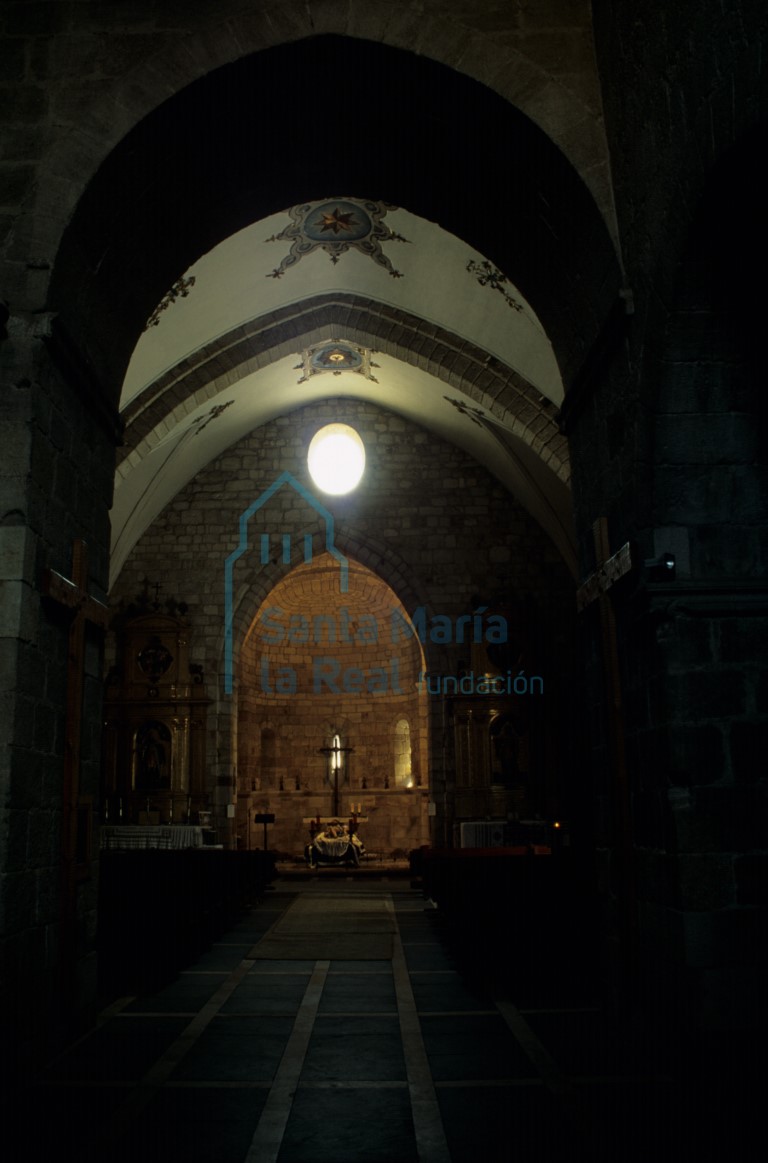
154 725
493 731
491 769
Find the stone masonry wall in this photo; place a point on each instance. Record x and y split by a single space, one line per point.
427 519
55 486
669 442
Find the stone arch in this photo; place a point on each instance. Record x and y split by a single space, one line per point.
327 670
521 421
376 556
244 350
561 97
118 256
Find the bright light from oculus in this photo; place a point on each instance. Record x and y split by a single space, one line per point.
336 459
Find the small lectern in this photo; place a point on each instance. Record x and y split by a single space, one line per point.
264 818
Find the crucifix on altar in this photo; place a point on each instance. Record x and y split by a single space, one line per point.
337 762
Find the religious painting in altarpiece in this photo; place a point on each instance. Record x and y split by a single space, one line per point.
155 719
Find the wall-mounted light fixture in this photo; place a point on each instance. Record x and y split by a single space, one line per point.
661 568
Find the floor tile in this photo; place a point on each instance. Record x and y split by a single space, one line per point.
352 1104
352 1049
358 993
237 1050
349 1126
282 967
267 995
360 967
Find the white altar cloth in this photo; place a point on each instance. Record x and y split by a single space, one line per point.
152 836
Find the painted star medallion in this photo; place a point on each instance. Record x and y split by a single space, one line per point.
336 226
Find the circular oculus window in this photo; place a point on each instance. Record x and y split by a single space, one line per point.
336 459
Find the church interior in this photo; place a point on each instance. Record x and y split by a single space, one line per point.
473 737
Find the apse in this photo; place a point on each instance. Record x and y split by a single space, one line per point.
332 712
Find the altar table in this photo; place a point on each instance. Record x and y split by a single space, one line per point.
336 846
152 836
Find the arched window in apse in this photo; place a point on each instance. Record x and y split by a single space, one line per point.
268 756
403 772
337 757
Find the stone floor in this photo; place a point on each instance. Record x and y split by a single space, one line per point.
367 1061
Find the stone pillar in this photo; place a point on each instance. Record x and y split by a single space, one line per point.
55 487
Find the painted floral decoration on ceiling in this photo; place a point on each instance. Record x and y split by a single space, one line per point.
489 276
179 290
337 225
476 415
336 356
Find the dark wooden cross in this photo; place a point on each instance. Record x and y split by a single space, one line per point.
598 588
73 597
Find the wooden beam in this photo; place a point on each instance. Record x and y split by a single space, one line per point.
598 588
609 570
72 596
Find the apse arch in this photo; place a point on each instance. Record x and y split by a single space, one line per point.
376 557
288 480
132 235
326 671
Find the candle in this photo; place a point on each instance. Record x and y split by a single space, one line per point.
120 807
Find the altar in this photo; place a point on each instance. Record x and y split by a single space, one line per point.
334 843
152 836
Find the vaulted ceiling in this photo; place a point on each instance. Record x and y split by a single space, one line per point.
374 280
337 191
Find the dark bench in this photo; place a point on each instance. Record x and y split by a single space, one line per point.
158 909
511 908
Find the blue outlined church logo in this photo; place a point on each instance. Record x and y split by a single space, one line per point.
265 550
365 629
